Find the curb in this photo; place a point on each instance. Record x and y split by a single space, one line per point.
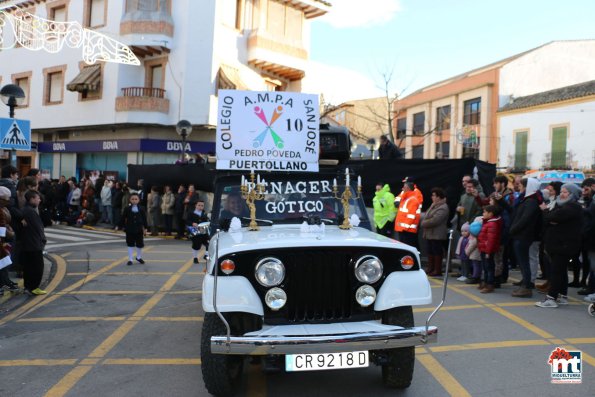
12 300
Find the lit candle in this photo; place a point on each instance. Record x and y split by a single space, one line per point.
335 182
347 180
346 171
243 180
258 179
359 181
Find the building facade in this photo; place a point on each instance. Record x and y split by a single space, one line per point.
457 117
106 116
549 130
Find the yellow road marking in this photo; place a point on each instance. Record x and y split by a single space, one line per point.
447 308
468 295
139 273
489 345
588 358
152 361
523 323
113 339
90 361
443 377
580 340
71 378
79 283
40 300
191 292
106 292
36 362
498 309
256 385
50 319
68 381
174 318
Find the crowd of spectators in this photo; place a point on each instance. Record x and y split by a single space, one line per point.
22 237
103 201
543 232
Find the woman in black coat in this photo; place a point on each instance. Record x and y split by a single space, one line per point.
562 240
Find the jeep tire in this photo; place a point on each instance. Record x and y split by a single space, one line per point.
221 373
398 372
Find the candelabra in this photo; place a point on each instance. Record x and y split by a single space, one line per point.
251 191
345 196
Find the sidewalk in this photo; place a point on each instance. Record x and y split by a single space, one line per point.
10 300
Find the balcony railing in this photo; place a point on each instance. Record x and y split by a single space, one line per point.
143 92
145 99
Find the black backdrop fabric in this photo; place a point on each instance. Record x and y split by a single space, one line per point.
427 174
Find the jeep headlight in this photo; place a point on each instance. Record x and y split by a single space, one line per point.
365 295
269 272
275 298
368 269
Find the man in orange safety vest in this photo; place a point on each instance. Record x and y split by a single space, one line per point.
407 220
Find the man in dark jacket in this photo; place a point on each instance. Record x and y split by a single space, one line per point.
525 225
32 242
388 150
562 242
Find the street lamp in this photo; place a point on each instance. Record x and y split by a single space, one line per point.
183 128
12 96
371 146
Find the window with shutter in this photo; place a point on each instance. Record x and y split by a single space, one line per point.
520 150
559 137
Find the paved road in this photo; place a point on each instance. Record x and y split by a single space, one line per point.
108 329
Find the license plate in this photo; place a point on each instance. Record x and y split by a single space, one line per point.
316 362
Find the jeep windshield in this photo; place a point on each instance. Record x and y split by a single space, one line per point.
287 199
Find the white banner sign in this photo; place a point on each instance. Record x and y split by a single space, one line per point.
272 131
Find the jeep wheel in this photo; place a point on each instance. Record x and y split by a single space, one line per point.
221 373
398 372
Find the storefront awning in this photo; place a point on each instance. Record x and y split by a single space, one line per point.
228 78
87 80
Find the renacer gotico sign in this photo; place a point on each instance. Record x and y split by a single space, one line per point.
276 131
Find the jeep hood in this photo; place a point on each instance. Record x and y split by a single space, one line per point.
292 236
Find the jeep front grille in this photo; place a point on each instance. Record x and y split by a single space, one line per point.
319 286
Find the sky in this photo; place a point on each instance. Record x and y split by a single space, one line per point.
425 41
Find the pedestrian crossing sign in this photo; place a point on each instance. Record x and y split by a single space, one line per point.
15 134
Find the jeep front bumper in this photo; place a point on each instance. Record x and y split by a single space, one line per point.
323 338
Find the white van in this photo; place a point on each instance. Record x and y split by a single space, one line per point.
564 176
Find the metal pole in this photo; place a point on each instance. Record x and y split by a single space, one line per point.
183 147
444 286
13 152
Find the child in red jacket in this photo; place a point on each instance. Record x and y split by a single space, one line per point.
489 244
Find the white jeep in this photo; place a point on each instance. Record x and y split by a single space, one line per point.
301 293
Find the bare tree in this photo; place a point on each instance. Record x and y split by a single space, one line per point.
390 111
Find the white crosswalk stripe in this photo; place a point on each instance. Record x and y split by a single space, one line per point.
65 236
